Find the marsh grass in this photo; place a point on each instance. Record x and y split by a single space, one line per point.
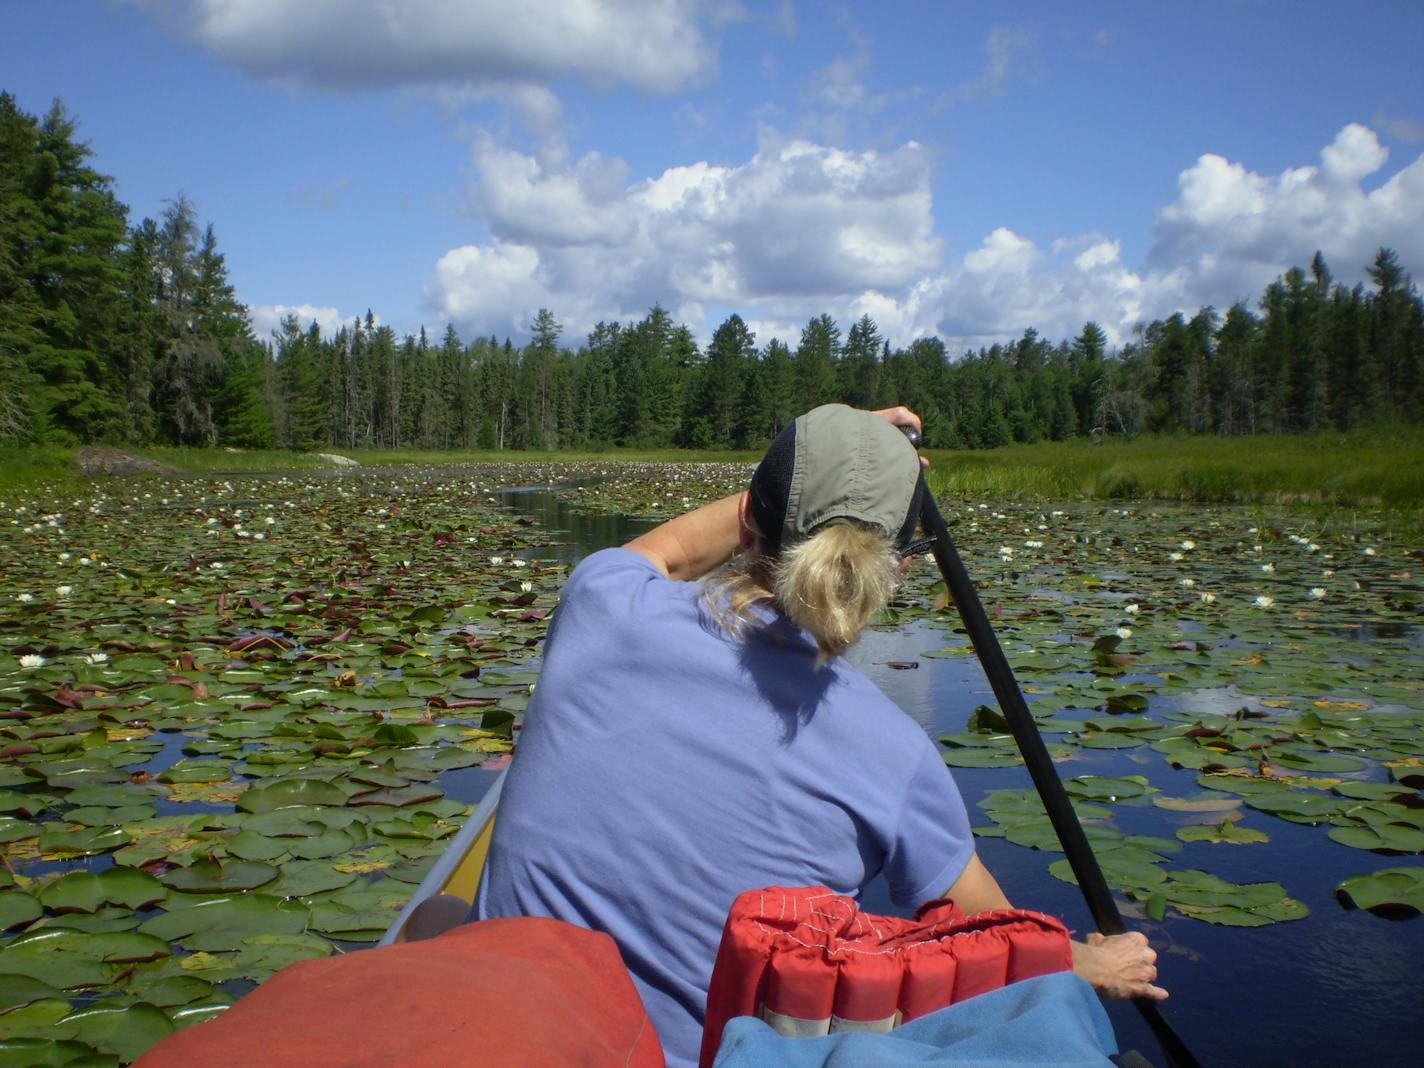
1327 471
1355 470
21 468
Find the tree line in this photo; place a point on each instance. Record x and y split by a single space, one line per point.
132 334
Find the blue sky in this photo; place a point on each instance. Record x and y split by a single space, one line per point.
963 170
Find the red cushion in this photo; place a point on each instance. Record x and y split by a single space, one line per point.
522 991
809 961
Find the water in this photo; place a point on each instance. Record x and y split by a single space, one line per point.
1337 988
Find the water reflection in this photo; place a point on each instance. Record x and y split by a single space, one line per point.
579 532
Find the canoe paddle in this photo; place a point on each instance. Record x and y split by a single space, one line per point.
1040 765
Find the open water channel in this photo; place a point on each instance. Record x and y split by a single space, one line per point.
1340 987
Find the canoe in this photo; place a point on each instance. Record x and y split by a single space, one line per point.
454 878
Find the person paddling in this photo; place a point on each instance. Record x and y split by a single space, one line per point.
696 731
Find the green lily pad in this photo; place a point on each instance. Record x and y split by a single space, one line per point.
175 990
304 878
210 877
1386 838
82 891
1389 891
18 990
197 771
219 923
1296 806
69 958
290 793
86 842
1226 831
1108 788
128 1030
249 845
982 758
16 908
36 1018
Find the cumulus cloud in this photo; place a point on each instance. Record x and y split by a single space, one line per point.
1231 230
802 228
267 318
656 45
796 226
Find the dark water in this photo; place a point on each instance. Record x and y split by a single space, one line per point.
1337 988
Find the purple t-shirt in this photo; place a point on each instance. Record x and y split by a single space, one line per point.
664 767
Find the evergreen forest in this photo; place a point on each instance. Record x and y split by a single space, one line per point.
121 333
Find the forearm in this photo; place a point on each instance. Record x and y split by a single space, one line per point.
690 545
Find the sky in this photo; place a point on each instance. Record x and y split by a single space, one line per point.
960 170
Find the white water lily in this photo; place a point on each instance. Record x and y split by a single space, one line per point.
271 520
1264 601
496 560
526 587
1189 545
24 598
519 563
1187 582
217 565
96 658
32 660
1317 592
1005 552
1268 568
64 558
1124 632
1174 557
1132 609
84 561
64 591
1208 598
259 536
1368 551
1327 574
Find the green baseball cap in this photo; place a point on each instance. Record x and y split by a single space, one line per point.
833 464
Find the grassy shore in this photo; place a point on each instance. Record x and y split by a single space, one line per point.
1341 470
1367 470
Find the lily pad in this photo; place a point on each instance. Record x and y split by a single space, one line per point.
1108 788
210 877
16 908
1225 831
128 1030
289 793
1389 891
82 891
70 958
219 923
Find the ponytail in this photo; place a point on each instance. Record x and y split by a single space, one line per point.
832 584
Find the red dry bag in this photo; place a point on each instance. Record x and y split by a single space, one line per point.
809 962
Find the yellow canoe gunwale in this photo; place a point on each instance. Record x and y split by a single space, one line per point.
459 868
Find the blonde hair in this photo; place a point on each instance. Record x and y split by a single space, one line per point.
832 584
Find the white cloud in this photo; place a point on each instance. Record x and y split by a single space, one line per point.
1231 231
801 228
656 45
786 234
267 318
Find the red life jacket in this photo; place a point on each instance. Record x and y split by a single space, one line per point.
809 962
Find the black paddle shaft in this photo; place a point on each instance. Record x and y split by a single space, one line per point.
1040 765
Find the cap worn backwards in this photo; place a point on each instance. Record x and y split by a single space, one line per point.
836 463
